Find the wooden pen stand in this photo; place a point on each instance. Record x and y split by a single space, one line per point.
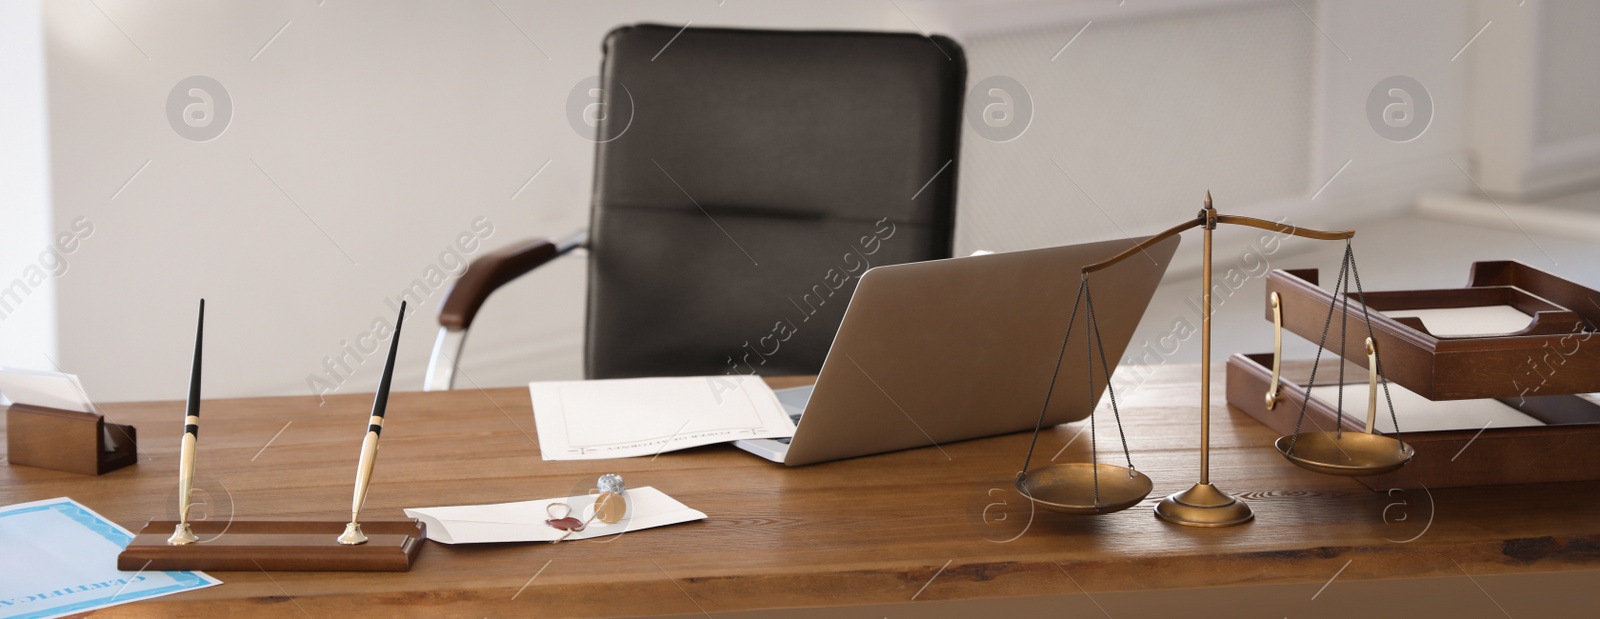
276 546
64 440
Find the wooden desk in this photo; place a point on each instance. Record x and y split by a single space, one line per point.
883 529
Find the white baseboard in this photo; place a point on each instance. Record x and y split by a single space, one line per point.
1528 218
970 18
1562 166
1354 198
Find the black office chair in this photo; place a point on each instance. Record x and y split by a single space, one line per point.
757 174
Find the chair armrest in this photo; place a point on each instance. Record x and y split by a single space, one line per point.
489 272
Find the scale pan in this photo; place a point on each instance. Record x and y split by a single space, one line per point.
1355 454
1069 488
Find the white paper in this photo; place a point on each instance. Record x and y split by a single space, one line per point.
49 390
1485 321
1419 414
46 389
622 418
60 558
524 521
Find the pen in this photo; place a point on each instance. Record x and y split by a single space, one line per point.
369 446
182 535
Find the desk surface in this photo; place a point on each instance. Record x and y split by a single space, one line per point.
883 529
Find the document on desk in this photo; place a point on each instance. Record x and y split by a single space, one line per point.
524 521
627 417
61 559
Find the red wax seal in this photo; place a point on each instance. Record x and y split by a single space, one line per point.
565 524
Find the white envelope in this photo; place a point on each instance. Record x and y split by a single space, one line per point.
524 521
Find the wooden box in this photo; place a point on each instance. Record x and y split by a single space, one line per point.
1567 449
64 440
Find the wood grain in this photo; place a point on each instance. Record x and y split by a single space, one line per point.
881 529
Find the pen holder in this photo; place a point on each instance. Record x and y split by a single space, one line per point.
276 546
64 440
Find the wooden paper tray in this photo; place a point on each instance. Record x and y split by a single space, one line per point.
1562 451
277 546
1556 355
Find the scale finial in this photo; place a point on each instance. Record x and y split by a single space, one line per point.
1208 199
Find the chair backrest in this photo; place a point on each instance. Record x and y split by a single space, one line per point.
745 178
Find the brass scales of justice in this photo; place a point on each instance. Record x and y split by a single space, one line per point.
1093 488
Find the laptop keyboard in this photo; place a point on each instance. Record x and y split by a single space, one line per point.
785 440
794 402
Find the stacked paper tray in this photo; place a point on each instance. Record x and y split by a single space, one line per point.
1458 443
1555 352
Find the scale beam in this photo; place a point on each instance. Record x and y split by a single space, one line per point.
1234 220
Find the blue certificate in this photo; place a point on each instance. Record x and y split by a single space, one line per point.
61 558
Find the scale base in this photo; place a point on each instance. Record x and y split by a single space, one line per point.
1203 505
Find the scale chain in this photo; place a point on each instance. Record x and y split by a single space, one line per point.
1083 284
1110 389
1088 355
1316 360
1344 337
1376 359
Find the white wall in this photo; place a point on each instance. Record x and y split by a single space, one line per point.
1570 49
1263 102
390 126
1136 119
366 136
28 267
1535 86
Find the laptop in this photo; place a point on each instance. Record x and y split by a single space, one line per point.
931 353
